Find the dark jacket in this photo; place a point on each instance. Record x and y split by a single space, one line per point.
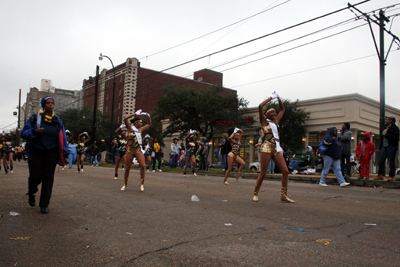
103 147
345 139
334 146
94 150
392 135
28 133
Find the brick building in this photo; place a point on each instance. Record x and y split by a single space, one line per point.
139 88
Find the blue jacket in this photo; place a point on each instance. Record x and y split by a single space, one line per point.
334 146
33 123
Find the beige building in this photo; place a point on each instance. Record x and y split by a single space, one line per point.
361 112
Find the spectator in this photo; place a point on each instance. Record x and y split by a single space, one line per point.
204 154
103 151
307 157
156 155
174 153
93 151
73 152
332 157
20 152
390 145
182 159
344 137
364 152
224 150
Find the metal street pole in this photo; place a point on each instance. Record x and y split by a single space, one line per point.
113 100
96 87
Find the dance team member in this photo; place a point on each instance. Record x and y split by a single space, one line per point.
134 146
83 138
191 147
233 155
271 148
121 141
8 152
46 146
146 149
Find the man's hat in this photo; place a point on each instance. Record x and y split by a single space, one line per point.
391 117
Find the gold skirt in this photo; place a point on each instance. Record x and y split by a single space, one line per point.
134 150
269 148
231 154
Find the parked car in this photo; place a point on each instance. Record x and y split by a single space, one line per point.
255 166
218 166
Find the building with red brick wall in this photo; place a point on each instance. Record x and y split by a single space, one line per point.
139 88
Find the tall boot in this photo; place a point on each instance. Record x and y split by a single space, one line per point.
237 176
226 181
284 196
141 185
255 196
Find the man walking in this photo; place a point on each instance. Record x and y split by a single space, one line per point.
344 137
94 150
103 150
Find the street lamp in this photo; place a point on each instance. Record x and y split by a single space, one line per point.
113 96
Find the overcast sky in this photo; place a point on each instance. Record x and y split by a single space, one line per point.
61 41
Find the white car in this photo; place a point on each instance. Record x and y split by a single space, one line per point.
255 166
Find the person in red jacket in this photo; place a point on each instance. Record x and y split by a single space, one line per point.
364 152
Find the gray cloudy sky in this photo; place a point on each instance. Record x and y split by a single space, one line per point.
61 41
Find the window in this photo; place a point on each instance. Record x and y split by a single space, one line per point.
107 96
119 93
119 105
118 119
120 78
106 108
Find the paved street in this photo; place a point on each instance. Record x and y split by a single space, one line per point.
92 223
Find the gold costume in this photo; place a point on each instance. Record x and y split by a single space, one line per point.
81 148
133 145
268 146
235 150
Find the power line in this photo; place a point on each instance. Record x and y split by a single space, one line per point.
293 48
197 38
237 45
9 125
303 71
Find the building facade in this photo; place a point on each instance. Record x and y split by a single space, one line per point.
138 88
64 99
361 112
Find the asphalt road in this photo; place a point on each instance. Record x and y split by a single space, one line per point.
92 223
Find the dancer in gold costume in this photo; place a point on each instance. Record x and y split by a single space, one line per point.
134 145
233 155
270 148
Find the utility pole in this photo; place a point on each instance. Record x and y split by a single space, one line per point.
380 21
19 121
96 87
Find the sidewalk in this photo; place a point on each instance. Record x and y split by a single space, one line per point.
303 178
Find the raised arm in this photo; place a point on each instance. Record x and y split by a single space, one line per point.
263 121
147 126
281 111
127 122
